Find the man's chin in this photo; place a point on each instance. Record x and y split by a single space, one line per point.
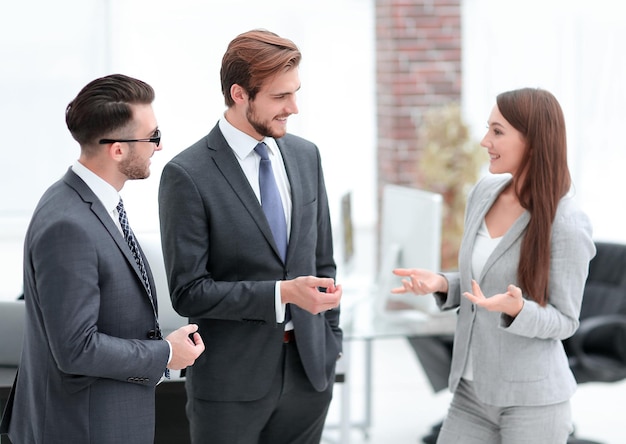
139 176
278 134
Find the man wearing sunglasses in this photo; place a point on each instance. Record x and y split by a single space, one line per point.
93 352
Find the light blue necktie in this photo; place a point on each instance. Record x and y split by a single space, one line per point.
273 207
271 201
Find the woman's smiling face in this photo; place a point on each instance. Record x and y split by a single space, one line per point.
506 145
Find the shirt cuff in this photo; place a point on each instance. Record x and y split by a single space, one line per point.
169 359
278 304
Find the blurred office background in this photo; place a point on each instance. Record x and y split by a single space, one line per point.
361 105
371 69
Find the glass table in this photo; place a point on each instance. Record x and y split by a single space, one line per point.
366 320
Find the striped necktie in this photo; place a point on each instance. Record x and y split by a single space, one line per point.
129 236
134 247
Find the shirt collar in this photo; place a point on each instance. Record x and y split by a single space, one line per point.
241 143
103 190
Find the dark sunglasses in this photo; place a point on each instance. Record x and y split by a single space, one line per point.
156 138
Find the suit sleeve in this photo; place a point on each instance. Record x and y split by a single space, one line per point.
65 260
572 248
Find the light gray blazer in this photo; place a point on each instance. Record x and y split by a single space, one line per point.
518 361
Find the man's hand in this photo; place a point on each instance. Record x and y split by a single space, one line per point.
184 349
304 291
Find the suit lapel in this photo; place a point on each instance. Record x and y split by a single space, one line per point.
507 241
509 238
293 172
226 162
103 216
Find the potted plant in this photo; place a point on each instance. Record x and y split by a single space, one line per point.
449 164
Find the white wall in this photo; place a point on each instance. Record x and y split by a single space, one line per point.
575 49
49 50
179 51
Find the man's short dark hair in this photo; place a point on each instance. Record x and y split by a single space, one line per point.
103 106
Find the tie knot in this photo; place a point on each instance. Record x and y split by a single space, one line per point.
120 206
261 150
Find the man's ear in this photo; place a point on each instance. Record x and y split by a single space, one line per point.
115 151
238 94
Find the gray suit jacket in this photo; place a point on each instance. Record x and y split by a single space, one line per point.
88 370
519 361
222 265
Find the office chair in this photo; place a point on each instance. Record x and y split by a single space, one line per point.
597 351
11 333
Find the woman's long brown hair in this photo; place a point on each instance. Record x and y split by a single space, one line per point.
542 180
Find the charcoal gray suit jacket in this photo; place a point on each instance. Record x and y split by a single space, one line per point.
88 370
222 266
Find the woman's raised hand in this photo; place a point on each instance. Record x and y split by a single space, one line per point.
419 281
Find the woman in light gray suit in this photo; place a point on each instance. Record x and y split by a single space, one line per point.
523 264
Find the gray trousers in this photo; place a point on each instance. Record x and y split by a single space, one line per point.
293 412
469 421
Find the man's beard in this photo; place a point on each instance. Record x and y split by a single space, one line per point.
263 128
131 168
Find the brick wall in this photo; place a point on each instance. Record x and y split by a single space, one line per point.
418 53
418 64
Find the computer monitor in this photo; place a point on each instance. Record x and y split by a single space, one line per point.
347 233
410 238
